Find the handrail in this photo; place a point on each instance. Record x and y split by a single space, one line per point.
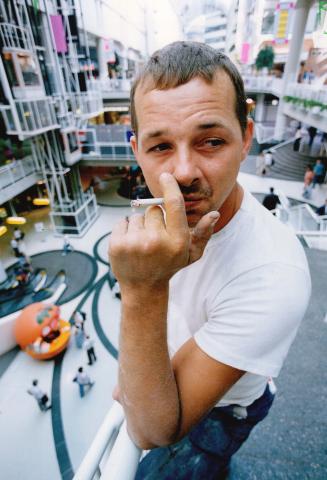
104 437
113 440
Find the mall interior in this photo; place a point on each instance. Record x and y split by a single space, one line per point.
68 174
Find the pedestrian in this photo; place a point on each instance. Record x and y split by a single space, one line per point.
312 131
18 234
323 209
271 200
79 318
269 161
213 287
319 173
67 247
15 247
83 380
89 348
297 139
260 164
307 184
40 396
79 335
116 290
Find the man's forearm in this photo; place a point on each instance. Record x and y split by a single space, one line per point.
148 390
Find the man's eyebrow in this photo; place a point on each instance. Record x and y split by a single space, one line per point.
207 126
154 134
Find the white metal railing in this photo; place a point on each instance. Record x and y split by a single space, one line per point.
264 133
13 36
112 454
114 85
301 217
34 116
86 104
16 170
107 141
308 92
263 83
74 218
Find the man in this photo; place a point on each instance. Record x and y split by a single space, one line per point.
207 309
323 209
83 380
271 200
88 346
319 173
40 396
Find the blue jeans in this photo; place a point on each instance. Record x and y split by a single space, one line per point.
205 453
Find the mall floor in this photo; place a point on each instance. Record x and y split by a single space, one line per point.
289 444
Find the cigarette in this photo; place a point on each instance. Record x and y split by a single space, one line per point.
147 201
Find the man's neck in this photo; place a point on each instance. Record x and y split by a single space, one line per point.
230 207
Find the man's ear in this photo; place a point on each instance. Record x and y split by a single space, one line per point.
247 140
133 142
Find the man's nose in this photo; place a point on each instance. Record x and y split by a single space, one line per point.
185 167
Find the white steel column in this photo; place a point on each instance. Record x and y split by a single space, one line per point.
299 23
259 108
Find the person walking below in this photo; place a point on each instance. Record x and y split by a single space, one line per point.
83 380
297 141
271 200
15 247
18 234
312 131
67 247
319 173
323 209
308 179
89 348
40 396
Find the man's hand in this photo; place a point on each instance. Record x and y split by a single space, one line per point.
148 249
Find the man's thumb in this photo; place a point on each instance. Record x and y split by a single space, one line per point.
201 234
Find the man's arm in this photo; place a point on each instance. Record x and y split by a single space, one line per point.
162 400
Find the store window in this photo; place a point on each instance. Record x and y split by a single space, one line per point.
29 70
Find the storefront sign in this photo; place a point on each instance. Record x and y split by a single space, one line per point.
283 17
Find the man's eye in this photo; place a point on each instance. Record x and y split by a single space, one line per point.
213 142
159 148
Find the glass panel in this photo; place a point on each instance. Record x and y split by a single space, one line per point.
10 69
29 69
72 141
106 150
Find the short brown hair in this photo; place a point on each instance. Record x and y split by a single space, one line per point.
180 62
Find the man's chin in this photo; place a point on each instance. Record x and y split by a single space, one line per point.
193 218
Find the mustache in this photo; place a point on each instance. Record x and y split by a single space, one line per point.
195 188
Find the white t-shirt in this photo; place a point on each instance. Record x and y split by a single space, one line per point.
244 299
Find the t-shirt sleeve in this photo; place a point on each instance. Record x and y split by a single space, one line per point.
253 320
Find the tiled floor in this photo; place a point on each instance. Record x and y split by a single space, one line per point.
29 445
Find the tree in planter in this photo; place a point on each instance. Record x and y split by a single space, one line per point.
265 58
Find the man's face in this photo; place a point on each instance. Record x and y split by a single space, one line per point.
193 133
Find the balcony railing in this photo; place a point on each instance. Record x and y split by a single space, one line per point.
33 116
87 104
16 170
112 454
74 218
110 142
17 176
13 36
263 84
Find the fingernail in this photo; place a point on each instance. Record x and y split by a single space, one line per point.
215 217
